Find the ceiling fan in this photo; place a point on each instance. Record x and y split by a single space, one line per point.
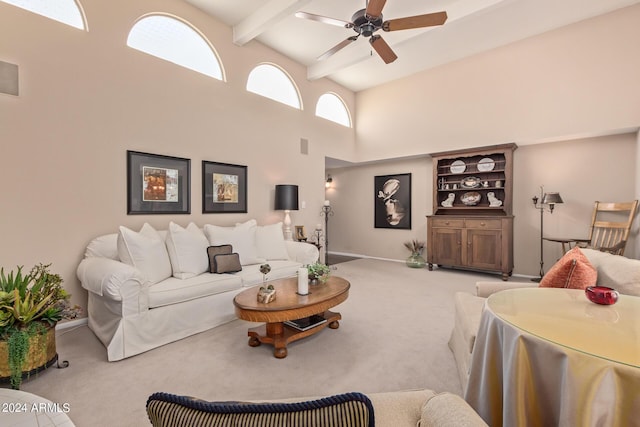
366 22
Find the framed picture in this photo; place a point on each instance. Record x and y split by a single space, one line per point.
392 199
300 235
158 184
224 188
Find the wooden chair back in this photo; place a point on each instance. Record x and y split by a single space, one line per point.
610 226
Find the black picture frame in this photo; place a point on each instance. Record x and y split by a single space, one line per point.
392 201
172 195
224 188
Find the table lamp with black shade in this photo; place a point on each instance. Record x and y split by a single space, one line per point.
549 199
287 201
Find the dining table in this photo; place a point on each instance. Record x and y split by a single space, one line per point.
551 357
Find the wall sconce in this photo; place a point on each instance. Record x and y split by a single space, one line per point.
549 199
287 200
327 184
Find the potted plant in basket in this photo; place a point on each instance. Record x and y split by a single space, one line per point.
416 247
318 273
30 307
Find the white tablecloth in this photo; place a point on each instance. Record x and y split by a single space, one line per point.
549 357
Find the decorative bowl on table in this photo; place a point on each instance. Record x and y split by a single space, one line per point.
602 295
470 198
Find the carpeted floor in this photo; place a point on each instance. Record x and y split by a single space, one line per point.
393 336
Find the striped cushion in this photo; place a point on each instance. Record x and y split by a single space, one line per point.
349 409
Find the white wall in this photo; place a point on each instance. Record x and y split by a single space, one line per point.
86 98
578 80
564 85
635 231
351 229
582 171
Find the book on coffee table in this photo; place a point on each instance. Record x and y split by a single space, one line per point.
306 323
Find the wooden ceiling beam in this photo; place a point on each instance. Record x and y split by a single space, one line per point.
264 18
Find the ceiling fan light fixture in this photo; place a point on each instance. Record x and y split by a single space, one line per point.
367 21
367 30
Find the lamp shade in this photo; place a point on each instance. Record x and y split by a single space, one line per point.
551 198
286 197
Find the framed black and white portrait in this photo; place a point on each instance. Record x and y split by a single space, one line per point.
392 199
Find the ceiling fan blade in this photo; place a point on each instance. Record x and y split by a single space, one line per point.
337 47
383 49
419 21
324 19
374 8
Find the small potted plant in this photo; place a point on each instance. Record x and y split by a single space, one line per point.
318 273
30 307
416 247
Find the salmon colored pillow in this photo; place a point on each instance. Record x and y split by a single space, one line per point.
573 271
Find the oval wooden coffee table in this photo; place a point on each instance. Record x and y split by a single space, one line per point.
288 305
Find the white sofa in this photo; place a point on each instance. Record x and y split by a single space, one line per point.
615 271
150 288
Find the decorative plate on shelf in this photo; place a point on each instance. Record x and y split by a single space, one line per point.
470 182
458 166
485 165
470 198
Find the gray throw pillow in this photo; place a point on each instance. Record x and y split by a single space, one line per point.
226 263
212 251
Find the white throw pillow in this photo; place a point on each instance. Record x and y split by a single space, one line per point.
187 249
247 224
243 240
270 242
145 251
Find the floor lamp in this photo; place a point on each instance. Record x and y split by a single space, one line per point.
287 200
550 199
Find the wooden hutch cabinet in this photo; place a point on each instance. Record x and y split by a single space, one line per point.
472 222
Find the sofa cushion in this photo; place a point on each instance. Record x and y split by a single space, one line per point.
146 251
616 271
173 290
270 243
449 410
187 248
242 238
251 275
573 271
349 409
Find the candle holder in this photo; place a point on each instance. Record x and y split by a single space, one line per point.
317 237
326 212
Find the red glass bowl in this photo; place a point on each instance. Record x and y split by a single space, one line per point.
601 295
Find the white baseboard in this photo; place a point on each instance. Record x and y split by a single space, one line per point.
364 256
523 276
60 326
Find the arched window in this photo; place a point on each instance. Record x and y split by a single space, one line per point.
331 107
66 11
175 41
273 82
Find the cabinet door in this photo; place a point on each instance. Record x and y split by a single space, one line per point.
484 249
446 246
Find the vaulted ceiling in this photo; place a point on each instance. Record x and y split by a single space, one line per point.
473 26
